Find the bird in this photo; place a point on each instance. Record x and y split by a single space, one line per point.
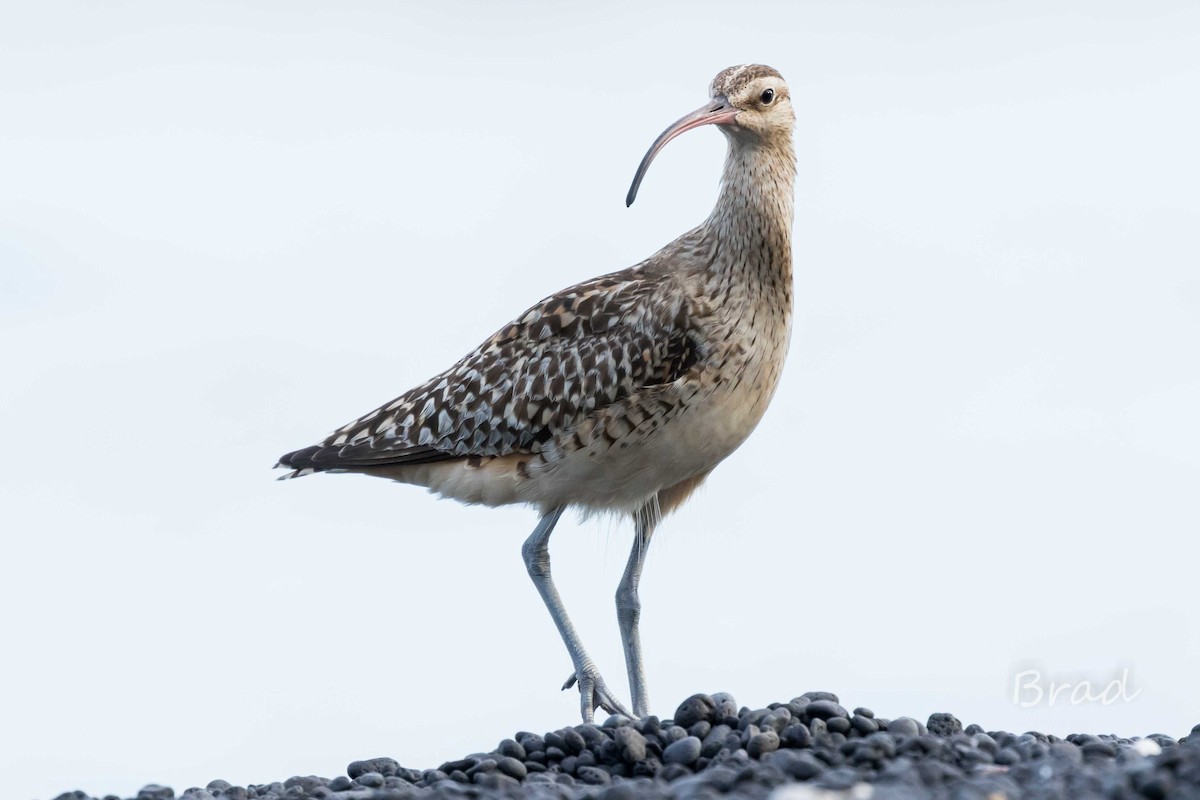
619 394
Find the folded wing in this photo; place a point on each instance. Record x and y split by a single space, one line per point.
565 358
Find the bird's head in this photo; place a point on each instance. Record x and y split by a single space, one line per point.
750 103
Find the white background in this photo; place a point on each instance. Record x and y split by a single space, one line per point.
225 231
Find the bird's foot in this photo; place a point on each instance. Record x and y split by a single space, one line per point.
594 693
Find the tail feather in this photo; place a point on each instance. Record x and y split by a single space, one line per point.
296 473
299 461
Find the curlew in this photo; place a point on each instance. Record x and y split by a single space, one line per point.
622 393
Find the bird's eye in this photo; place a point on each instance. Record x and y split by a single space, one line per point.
767 96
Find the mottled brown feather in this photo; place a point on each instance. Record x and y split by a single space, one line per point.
567 357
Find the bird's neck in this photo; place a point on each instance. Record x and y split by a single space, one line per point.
751 225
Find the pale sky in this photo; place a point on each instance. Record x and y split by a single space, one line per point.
225 232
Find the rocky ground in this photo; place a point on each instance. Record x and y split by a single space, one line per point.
810 748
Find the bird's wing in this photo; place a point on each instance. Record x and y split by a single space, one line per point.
566 357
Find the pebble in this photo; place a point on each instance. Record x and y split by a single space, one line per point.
153 791
574 741
684 751
762 743
725 707
631 745
796 735
904 726
594 776
862 724
384 766
838 725
944 725
511 748
826 710
370 780
697 708
512 767
809 748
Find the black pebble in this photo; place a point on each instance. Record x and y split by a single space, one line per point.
370 780
796 735
904 726
495 781
594 776
307 784
1105 749
1007 757
942 724
512 767
826 710
685 751
697 708
574 741
592 734
813 697
672 734
428 778
765 742
863 725
450 767
713 747
512 749
155 792
673 772
532 743
726 707
839 725
631 743
799 765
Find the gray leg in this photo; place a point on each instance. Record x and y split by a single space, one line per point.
593 691
629 609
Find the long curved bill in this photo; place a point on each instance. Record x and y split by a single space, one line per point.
717 112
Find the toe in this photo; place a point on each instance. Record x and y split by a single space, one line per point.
594 694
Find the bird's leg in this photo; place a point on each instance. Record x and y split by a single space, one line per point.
629 608
593 691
